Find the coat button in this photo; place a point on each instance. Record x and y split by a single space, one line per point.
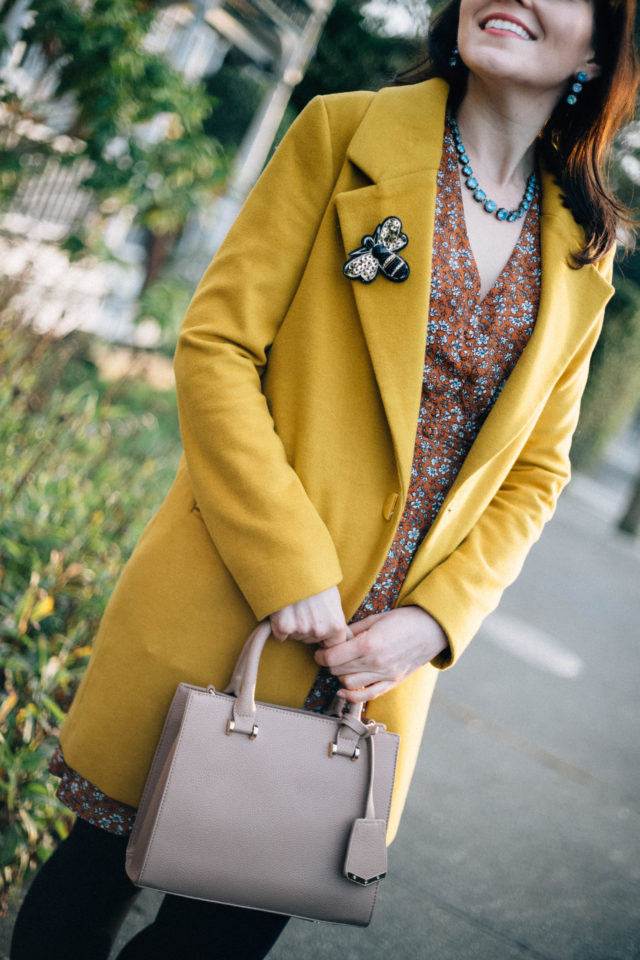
390 505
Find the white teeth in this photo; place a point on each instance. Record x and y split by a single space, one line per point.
508 25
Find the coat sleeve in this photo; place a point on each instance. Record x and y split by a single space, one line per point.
462 590
260 519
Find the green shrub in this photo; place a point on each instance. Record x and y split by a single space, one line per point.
613 388
85 466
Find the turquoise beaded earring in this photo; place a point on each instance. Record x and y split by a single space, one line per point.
576 88
453 59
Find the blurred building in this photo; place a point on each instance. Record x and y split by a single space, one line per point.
276 37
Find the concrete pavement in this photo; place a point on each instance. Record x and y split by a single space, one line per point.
521 838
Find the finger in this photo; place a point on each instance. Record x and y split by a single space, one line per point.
278 632
291 628
336 635
349 652
353 681
366 623
299 625
366 693
327 645
287 622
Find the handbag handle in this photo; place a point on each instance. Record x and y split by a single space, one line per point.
243 686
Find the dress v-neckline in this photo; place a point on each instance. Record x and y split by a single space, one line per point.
477 280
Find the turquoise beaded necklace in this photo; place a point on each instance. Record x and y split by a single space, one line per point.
479 194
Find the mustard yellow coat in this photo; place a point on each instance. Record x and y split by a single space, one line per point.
299 392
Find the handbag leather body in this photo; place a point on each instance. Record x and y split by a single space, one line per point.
266 807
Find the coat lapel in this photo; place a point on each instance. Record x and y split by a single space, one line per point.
394 315
570 301
391 148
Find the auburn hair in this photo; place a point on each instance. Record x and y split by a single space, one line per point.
574 143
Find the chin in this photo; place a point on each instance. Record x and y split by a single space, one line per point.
494 65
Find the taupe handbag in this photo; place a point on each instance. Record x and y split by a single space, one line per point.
263 806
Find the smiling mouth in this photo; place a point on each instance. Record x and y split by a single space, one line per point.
507 26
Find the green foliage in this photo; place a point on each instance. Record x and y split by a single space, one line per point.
351 56
237 96
97 57
86 465
165 303
613 388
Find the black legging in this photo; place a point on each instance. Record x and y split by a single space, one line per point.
81 895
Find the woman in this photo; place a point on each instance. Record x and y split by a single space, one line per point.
333 471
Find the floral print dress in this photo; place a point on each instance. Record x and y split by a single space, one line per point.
472 347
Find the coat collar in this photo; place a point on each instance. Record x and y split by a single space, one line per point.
398 146
390 142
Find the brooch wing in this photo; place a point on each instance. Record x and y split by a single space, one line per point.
391 235
361 266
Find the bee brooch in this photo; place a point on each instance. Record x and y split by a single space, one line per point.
378 252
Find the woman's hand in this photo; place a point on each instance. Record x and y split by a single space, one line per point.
318 619
386 648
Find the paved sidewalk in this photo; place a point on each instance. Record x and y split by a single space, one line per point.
521 838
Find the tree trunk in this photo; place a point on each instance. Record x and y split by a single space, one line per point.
630 521
158 249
